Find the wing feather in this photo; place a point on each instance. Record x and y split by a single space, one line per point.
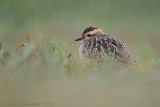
116 47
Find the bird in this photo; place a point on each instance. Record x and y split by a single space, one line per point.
96 45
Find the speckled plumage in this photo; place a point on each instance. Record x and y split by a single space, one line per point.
99 45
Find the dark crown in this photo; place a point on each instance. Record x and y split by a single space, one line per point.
88 29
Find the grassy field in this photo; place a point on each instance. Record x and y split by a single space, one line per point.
40 74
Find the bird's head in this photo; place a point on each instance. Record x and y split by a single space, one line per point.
90 33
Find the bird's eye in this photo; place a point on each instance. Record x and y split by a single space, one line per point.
89 35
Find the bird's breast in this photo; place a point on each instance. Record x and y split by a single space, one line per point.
81 54
91 49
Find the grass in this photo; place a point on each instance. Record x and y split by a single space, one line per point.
40 72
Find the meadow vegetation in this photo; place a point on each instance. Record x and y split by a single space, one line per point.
41 71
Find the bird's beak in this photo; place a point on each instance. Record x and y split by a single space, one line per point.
78 39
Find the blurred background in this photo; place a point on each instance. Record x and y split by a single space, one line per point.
135 22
